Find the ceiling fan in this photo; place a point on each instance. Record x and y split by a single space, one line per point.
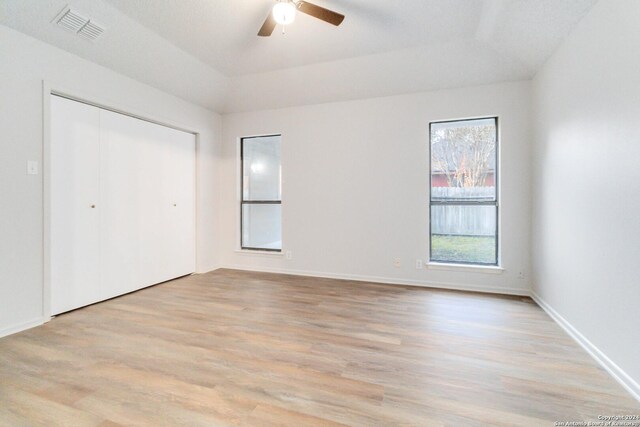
284 13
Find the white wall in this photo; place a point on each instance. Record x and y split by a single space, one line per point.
355 185
586 222
25 63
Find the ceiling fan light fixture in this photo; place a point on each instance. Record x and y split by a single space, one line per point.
284 12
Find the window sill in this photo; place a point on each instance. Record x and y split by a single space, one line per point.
256 252
487 269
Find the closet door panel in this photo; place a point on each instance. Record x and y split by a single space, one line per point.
123 165
75 205
170 227
180 226
156 211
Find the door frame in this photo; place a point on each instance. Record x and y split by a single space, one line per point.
48 90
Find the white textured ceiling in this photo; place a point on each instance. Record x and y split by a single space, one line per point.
223 33
207 51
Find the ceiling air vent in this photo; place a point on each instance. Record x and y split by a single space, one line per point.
91 31
72 21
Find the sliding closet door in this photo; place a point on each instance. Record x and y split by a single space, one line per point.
179 248
123 204
75 205
168 204
156 196
148 188
123 163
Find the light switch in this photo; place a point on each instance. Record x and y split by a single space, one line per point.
32 167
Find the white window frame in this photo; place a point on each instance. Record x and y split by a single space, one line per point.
243 248
461 265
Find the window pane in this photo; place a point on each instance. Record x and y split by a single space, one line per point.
261 168
463 160
261 226
463 234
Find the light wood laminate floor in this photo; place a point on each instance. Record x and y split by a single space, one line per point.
242 348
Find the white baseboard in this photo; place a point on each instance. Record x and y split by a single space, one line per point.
614 370
21 327
198 271
388 280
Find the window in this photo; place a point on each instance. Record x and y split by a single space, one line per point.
260 206
463 197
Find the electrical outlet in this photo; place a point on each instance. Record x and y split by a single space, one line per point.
419 264
288 255
396 262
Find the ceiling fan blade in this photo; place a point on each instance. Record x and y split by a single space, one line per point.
321 13
268 26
